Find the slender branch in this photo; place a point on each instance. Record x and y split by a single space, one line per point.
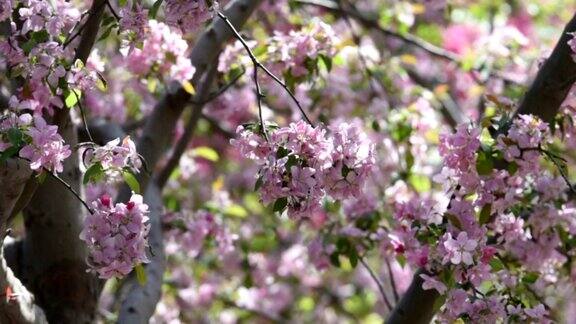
392 279
83 115
257 64
113 11
69 188
216 126
377 281
65 184
213 96
182 144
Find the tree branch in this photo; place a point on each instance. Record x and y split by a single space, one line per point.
157 134
553 81
417 304
182 143
16 302
139 301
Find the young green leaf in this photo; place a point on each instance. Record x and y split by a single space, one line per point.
141 274
131 181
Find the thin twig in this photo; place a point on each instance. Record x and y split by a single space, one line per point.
392 280
79 31
257 65
217 127
213 96
65 184
377 281
113 11
83 114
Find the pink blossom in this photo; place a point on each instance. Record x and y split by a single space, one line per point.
5 10
113 157
47 149
461 249
433 283
188 15
134 20
116 236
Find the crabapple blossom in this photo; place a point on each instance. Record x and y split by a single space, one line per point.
290 51
163 50
308 164
116 236
189 15
47 149
114 158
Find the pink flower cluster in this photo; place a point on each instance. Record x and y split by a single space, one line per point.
191 235
300 164
164 51
5 10
291 51
113 157
135 21
188 15
47 148
116 236
504 207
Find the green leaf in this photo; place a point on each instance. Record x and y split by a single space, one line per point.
107 32
335 259
8 153
131 181
154 10
484 164
263 243
282 152
94 173
41 177
327 61
496 264
15 137
259 183
71 97
530 277
122 3
207 153
485 214
454 220
235 211
280 204
420 182
440 301
512 168
401 260
101 83
141 274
